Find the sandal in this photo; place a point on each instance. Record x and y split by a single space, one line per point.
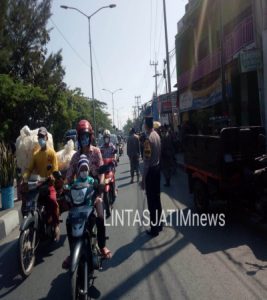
106 253
66 263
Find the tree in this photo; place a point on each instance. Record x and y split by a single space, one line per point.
20 105
32 90
24 38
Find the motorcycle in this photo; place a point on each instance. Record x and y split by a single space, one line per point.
109 194
85 254
120 149
36 225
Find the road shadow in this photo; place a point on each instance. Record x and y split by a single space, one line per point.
122 178
125 172
126 251
124 184
131 282
60 288
47 249
9 272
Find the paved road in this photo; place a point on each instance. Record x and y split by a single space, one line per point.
181 263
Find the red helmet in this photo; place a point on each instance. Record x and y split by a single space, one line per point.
84 126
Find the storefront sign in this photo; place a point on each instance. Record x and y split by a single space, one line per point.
250 61
192 99
168 102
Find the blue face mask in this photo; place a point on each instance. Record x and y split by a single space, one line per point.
42 142
85 141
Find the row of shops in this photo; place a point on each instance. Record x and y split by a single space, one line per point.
213 84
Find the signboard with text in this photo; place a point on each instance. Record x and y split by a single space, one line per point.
250 60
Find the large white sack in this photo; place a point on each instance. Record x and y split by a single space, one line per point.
64 156
27 144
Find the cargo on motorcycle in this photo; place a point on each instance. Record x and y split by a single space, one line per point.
40 207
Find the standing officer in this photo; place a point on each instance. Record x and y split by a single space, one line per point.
133 151
151 176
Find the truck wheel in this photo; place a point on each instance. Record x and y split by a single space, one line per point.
201 199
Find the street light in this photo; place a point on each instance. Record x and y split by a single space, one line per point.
112 93
118 123
90 45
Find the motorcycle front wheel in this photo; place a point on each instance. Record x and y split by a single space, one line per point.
77 283
27 245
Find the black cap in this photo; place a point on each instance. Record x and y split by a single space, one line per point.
132 131
149 122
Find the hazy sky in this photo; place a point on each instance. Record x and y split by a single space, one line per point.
125 39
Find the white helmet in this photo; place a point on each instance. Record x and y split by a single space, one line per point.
106 133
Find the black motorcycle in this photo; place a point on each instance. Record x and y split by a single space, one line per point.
85 254
36 226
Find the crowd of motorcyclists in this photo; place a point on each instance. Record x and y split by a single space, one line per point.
85 166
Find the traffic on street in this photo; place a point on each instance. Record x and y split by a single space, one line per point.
133 154
182 262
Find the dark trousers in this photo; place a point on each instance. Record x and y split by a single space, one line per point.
134 165
48 198
153 196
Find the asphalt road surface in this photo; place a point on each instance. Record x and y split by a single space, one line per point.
183 262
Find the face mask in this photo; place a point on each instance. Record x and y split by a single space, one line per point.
84 174
106 140
85 141
42 142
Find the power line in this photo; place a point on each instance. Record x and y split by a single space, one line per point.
156 27
150 27
99 71
161 26
73 49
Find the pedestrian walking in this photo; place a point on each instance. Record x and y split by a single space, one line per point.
133 152
151 176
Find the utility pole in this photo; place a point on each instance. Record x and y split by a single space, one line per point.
164 75
167 48
134 112
155 64
167 53
224 97
138 102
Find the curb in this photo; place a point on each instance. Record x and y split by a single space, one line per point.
9 220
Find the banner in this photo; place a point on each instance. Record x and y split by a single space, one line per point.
192 100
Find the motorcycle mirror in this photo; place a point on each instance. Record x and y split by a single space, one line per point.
57 174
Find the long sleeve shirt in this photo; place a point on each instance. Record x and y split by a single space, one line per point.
108 151
152 150
43 163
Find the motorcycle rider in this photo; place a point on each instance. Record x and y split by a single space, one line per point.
44 162
108 150
86 139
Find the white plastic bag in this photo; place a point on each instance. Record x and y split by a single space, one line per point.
26 145
64 156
